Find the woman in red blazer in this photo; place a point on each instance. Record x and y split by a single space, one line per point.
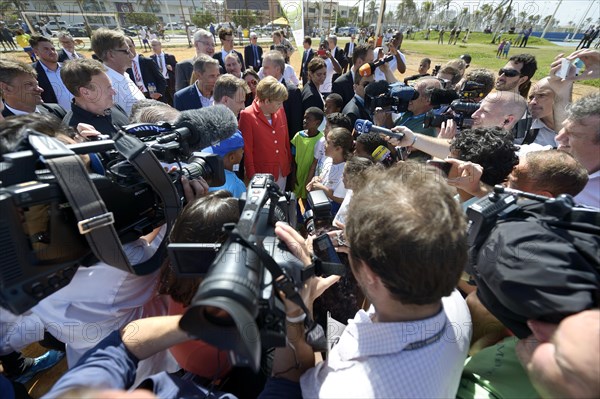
264 127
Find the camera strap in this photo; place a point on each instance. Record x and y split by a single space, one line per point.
95 221
148 166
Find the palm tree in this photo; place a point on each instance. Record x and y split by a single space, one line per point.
319 13
427 8
372 10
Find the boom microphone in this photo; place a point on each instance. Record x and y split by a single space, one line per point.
204 127
364 126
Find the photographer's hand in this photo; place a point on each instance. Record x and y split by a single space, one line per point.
591 60
448 130
87 131
313 287
468 178
193 189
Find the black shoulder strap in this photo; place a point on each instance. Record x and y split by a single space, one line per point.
530 136
94 219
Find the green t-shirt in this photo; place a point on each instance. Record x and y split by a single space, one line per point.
304 155
496 373
415 123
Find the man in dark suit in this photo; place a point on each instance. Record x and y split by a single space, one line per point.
274 65
226 38
21 92
306 57
166 65
68 48
199 94
253 53
344 85
349 50
145 74
338 54
356 109
204 43
48 72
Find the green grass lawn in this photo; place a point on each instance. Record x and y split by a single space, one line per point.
483 53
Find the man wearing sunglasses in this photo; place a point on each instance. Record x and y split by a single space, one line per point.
204 43
112 49
516 74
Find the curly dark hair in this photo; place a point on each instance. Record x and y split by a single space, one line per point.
370 141
490 147
340 120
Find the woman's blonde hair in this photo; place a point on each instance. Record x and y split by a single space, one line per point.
270 89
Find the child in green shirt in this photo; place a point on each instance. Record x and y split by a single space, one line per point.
303 148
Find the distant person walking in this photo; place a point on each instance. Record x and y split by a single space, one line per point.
506 49
500 48
441 36
452 35
526 35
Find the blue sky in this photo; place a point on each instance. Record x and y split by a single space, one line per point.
570 10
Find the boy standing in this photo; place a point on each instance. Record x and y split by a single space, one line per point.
303 148
231 150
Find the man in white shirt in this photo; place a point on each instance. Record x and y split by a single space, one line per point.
407 344
111 48
398 63
580 136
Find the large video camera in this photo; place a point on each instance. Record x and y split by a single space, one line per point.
237 307
533 257
459 111
56 216
390 97
462 105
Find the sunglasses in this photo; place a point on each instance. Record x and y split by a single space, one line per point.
509 73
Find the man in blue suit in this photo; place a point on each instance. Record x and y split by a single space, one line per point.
253 53
200 93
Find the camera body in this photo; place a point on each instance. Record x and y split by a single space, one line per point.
241 280
41 237
533 258
459 111
395 99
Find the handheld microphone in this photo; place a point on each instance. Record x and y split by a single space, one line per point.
364 126
204 127
368 69
380 154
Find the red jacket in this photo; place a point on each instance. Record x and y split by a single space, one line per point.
266 145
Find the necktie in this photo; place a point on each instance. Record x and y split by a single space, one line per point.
138 76
255 55
160 64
